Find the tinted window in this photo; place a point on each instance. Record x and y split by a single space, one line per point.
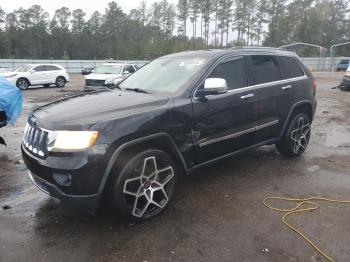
233 71
130 69
52 68
40 68
265 69
290 67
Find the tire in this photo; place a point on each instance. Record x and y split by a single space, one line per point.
22 83
144 186
296 137
60 82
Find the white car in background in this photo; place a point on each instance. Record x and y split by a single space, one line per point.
108 74
38 74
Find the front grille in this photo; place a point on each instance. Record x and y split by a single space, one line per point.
94 82
36 140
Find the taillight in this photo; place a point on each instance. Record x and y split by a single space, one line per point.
314 85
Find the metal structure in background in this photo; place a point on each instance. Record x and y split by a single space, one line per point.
72 66
332 52
321 61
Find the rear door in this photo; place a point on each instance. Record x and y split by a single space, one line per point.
52 73
224 123
275 95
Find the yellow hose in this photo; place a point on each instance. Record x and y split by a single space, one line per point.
298 208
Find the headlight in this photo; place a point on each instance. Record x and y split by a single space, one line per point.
9 76
109 81
74 140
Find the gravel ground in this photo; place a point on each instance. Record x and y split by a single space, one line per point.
216 214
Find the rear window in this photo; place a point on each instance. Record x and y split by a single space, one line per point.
265 69
290 68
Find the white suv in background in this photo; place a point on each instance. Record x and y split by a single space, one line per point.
38 74
108 74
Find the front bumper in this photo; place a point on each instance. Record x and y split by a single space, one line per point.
87 202
84 169
94 88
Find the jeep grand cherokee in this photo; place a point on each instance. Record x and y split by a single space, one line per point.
178 113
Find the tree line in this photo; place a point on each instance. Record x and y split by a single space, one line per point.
161 28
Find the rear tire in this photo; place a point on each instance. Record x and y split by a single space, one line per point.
296 137
144 186
60 82
22 83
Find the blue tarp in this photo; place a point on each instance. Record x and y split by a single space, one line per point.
10 100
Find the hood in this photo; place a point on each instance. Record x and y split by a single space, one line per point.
102 76
8 73
80 112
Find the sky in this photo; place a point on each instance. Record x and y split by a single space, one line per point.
89 6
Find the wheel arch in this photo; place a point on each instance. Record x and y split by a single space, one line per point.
23 77
161 141
302 106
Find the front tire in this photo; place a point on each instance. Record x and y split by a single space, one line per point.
60 81
22 83
296 137
145 185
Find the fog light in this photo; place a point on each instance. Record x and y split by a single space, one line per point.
63 179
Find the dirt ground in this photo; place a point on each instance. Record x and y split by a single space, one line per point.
216 214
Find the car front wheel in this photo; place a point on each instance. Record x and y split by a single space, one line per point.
22 84
60 81
296 137
145 185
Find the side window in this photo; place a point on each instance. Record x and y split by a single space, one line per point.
130 69
233 71
40 68
264 69
290 68
51 68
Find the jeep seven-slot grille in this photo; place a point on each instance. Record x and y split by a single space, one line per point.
35 140
94 82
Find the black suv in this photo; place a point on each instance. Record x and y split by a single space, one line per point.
179 112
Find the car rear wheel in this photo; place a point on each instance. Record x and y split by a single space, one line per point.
60 81
22 84
145 185
296 137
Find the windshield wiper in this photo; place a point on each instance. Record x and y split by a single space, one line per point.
139 90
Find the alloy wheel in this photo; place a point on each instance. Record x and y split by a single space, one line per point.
22 84
60 82
300 135
148 190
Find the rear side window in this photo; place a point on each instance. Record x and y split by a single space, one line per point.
264 69
290 68
52 68
234 72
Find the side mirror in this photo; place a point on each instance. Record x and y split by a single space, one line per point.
32 71
213 86
126 72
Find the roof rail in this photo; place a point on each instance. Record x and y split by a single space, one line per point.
258 47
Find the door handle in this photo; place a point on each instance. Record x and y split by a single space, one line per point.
286 87
247 96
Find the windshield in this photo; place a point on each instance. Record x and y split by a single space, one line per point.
166 74
25 68
108 69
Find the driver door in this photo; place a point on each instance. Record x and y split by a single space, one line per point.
39 76
225 123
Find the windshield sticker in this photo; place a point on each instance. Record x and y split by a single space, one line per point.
192 62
